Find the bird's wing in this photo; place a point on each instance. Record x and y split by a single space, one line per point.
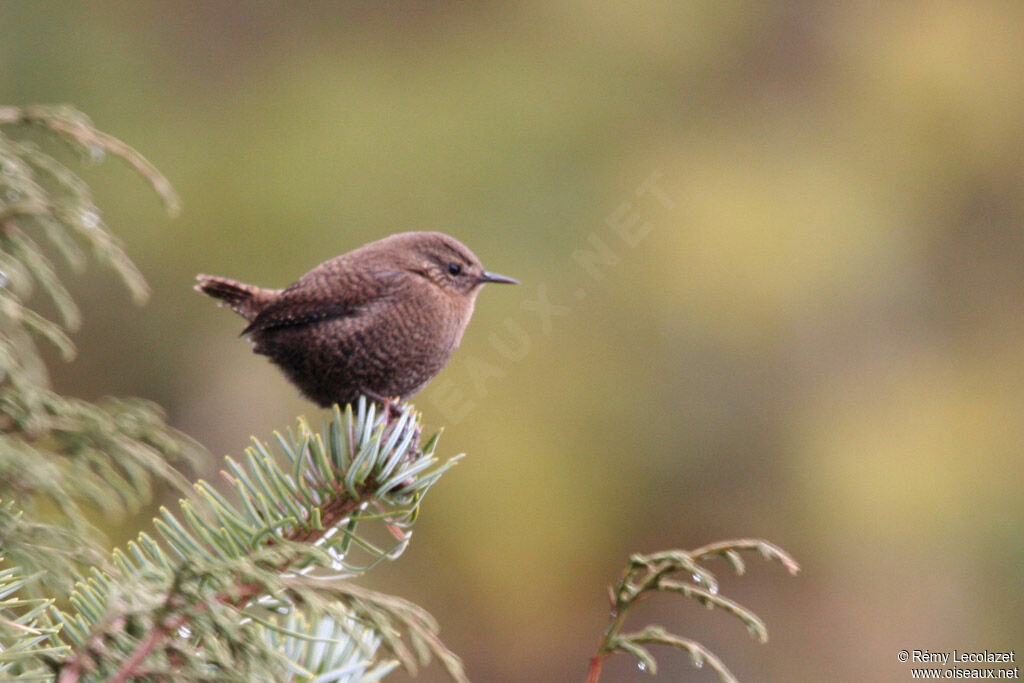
334 292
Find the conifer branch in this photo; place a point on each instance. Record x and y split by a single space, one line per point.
283 547
21 627
648 575
75 128
56 451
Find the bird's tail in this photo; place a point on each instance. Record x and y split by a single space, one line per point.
245 300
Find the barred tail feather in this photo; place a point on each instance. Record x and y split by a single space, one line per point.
241 298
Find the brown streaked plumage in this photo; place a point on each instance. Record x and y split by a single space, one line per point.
381 320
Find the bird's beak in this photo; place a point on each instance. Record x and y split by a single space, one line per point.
495 277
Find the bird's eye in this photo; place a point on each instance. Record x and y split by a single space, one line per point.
454 269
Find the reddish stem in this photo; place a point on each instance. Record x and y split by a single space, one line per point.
596 662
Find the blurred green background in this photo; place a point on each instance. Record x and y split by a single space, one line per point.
773 275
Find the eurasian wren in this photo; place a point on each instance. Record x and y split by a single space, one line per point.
381 320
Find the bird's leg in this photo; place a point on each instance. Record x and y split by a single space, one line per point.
373 395
388 403
391 409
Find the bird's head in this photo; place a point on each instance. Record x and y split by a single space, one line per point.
445 262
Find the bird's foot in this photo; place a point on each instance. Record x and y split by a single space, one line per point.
391 407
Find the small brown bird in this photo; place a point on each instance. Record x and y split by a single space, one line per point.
381 320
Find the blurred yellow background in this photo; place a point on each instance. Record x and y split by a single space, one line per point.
773 279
